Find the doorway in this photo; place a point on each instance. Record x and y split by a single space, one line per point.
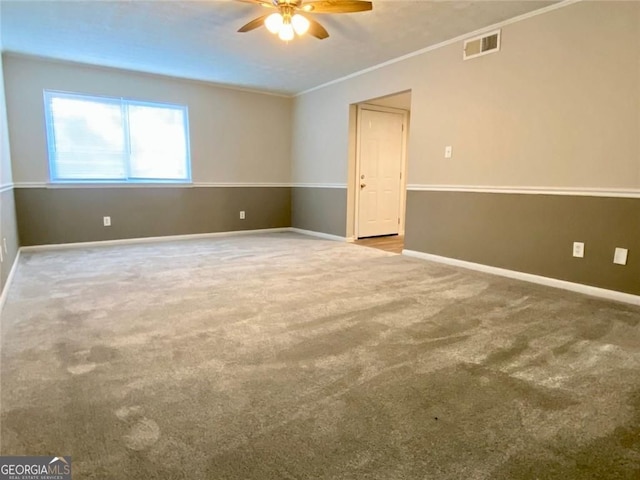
377 183
388 243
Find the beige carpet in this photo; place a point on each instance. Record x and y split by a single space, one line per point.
284 357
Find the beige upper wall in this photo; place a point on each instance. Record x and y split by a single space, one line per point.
321 123
5 158
236 136
558 106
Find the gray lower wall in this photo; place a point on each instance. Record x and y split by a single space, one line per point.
320 209
526 233
9 231
68 215
531 233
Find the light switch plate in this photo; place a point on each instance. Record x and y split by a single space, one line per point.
578 249
620 256
448 151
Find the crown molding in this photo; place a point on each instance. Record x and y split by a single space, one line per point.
209 83
504 23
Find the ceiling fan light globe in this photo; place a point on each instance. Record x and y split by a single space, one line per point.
274 22
286 33
300 24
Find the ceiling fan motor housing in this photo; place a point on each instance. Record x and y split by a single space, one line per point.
289 18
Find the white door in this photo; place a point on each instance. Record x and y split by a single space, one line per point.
379 174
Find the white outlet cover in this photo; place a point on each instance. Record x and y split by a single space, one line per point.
620 256
578 249
106 221
448 151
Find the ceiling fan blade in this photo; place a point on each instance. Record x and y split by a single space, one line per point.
317 30
253 24
264 3
336 6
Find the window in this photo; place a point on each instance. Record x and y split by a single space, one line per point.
96 139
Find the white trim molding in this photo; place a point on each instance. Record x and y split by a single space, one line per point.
210 83
326 236
173 238
319 185
29 185
529 277
6 187
150 185
138 240
240 184
178 185
566 191
142 240
7 284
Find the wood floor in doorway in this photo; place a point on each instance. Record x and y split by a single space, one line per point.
389 243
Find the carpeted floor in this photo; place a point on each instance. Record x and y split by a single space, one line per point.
279 356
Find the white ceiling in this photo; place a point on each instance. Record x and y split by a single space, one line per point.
198 39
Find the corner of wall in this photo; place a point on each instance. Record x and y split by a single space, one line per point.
9 241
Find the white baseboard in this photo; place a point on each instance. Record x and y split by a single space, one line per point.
529 277
167 238
173 238
141 240
326 236
7 284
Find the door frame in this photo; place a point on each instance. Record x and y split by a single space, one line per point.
403 163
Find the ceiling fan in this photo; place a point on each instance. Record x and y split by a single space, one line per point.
291 16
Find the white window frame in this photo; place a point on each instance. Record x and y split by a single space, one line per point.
124 103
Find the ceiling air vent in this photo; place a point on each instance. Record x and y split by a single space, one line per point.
478 46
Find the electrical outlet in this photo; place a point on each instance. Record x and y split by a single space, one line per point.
448 151
578 249
620 256
241 214
106 221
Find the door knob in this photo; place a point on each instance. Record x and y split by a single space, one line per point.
362 185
